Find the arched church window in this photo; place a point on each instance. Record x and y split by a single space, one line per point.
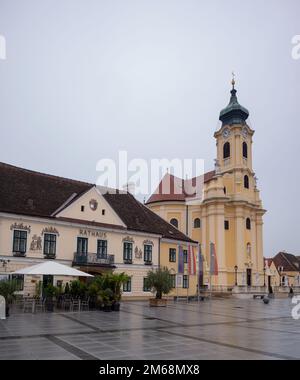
246 182
197 223
226 150
174 222
248 224
248 250
245 150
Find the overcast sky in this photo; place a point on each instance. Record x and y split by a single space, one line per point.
86 78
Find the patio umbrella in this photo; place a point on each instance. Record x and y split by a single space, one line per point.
52 268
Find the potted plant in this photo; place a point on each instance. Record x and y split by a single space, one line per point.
93 295
38 289
67 289
117 281
75 289
50 292
161 282
7 290
107 296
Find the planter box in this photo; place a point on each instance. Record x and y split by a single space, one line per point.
107 308
153 302
115 306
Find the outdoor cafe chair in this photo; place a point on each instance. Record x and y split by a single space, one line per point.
40 305
85 304
29 305
75 305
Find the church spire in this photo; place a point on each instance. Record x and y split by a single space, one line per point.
234 113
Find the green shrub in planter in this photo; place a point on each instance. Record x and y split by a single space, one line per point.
7 290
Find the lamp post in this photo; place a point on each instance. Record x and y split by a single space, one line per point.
280 270
235 270
264 276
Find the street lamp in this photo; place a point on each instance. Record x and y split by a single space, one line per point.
236 269
264 276
280 270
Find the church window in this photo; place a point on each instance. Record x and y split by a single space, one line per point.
226 150
197 223
248 224
174 222
245 150
246 182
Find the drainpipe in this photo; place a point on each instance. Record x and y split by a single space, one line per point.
187 221
159 242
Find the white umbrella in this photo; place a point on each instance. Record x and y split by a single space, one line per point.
51 268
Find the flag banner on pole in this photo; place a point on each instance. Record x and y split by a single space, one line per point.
191 261
200 261
180 260
194 261
213 260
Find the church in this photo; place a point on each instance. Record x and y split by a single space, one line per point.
229 212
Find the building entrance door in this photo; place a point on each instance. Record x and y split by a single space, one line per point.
269 283
249 277
47 280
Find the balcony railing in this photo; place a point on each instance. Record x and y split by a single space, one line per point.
93 259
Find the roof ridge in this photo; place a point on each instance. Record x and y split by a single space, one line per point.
45 174
287 258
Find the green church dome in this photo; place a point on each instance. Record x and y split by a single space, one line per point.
234 113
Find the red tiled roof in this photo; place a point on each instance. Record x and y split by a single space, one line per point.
26 192
172 188
289 262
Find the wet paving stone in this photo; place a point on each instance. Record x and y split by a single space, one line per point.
217 329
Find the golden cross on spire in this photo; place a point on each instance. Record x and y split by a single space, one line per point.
233 80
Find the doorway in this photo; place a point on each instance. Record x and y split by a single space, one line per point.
47 280
270 284
249 277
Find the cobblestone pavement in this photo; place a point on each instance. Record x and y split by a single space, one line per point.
217 329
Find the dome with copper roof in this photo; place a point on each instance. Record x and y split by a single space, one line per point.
234 113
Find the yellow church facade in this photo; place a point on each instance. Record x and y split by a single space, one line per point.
229 213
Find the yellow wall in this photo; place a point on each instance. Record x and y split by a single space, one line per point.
164 257
236 206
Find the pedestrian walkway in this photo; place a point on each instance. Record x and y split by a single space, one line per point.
217 329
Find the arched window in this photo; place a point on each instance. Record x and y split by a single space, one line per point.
246 182
197 223
174 222
226 150
248 250
245 150
248 224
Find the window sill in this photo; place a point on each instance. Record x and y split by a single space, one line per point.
19 254
49 257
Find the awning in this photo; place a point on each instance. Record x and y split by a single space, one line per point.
52 268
